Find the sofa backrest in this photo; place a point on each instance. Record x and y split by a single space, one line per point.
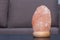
21 12
3 13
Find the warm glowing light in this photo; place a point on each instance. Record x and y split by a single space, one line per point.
41 21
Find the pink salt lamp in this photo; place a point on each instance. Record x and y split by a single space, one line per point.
41 22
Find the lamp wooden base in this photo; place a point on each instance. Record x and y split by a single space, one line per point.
41 34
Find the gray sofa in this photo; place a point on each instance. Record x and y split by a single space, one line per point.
17 14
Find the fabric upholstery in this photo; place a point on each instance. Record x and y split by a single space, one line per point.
54 30
3 12
21 12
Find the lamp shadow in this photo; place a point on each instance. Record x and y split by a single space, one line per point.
41 38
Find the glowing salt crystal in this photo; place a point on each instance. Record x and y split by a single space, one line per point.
41 20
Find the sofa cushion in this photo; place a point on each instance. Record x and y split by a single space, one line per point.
21 12
3 12
54 30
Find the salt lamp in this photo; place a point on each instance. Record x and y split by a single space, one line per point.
41 22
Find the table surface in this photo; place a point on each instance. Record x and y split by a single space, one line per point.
28 36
